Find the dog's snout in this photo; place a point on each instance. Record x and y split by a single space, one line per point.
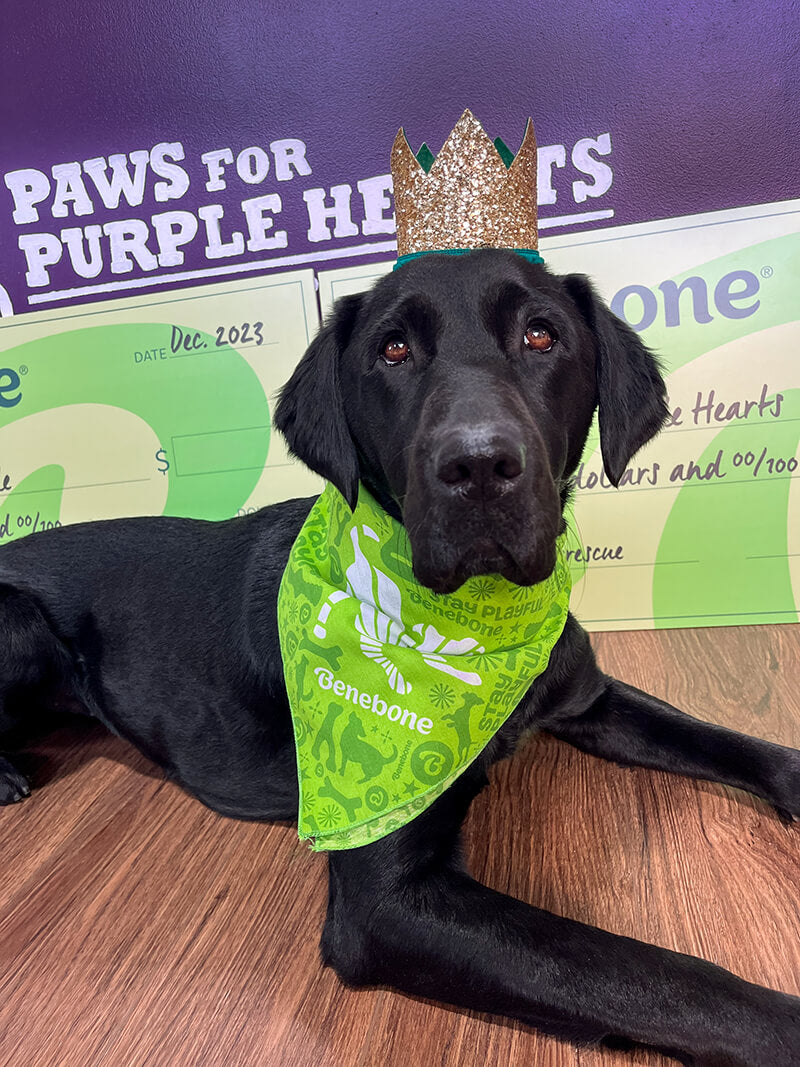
481 469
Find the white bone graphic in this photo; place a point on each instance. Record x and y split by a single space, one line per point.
380 623
325 610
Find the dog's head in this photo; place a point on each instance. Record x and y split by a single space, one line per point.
460 390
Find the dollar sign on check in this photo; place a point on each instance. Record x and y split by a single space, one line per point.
161 457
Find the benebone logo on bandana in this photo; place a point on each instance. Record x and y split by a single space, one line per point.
393 689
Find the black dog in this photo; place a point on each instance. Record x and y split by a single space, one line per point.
460 391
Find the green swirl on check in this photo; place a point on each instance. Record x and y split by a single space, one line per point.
207 408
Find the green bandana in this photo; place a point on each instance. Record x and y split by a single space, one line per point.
394 690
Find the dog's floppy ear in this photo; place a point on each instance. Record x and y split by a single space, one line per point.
310 412
631 394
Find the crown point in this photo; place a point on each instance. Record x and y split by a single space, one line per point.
399 139
403 159
528 139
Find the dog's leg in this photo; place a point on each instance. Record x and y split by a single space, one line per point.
403 912
631 727
13 785
31 659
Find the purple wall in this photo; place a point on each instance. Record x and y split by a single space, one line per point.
700 102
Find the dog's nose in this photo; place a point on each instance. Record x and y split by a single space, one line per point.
484 471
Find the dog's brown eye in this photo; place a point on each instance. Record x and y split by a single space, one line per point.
396 351
539 338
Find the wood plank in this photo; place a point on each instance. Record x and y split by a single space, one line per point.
139 928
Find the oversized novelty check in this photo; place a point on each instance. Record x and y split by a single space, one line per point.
154 405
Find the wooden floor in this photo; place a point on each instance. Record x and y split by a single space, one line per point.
138 928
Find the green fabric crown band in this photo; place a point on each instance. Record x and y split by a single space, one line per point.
394 691
527 253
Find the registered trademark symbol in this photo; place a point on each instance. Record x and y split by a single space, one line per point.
767 272
23 369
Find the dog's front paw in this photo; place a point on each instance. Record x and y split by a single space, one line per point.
13 785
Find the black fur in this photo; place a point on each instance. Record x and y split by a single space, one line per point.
630 393
472 443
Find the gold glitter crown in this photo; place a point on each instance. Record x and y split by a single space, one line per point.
474 194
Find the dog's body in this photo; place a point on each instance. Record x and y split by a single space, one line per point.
166 631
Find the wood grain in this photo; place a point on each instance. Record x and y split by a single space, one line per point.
138 928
